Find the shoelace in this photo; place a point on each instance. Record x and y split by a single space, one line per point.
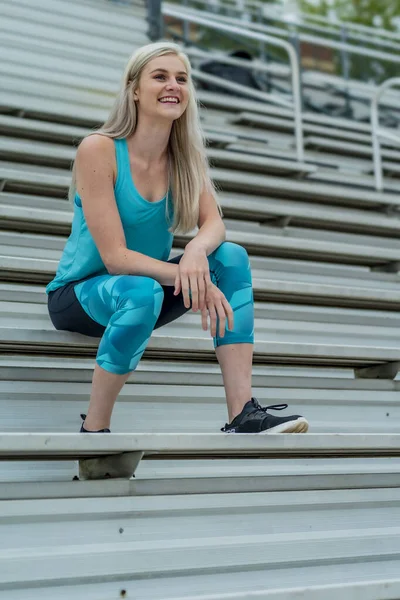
270 407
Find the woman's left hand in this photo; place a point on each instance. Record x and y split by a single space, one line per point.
193 274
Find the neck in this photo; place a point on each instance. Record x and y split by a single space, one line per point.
150 140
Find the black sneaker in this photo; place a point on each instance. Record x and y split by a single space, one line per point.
255 419
83 430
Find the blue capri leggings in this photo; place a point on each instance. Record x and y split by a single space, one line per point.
129 307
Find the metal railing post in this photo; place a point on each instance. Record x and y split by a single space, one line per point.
344 55
155 20
294 35
376 132
186 25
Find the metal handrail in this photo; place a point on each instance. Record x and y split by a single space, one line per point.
304 37
196 17
377 132
301 19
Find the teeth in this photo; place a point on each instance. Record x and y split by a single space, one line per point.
169 100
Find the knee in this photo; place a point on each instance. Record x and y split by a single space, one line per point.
232 255
139 292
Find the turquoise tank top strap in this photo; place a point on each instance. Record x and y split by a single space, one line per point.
122 159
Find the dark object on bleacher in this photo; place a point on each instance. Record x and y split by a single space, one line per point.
233 73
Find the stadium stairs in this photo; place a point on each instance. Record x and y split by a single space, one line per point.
206 517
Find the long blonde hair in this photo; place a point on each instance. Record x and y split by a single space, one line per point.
189 168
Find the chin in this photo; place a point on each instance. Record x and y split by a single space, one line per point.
172 114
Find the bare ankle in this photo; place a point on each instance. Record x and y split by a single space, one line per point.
95 424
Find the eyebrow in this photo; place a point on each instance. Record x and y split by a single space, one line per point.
165 71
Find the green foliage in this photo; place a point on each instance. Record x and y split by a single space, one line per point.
363 12
357 11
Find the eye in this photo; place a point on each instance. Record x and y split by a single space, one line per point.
158 76
182 79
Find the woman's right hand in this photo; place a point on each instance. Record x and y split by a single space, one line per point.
216 305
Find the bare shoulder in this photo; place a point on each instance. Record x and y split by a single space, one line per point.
96 155
97 145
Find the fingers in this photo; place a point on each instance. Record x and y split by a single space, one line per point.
185 290
221 320
218 312
202 292
177 285
213 320
198 290
229 313
204 318
195 292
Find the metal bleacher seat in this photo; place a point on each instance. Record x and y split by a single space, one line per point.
285 124
260 240
286 334
347 147
164 536
20 176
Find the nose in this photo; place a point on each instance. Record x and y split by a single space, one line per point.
173 85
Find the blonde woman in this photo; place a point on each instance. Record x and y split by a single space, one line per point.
136 181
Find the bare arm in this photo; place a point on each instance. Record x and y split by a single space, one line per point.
95 166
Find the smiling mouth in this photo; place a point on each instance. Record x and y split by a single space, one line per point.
169 100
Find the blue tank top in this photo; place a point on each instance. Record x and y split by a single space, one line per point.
145 226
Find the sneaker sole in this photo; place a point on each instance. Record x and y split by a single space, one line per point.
297 426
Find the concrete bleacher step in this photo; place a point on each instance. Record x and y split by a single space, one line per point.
284 124
353 180
51 181
54 402
199 544
113 23
103 88
16 127
33 259
380 589
38 152
52 479
58 37
103 12
215 100
287 334
69 53
41 214
81 95
342 147
183 446
23 61
59 112
271 286
282 212
274 149
236 160
46 393
71 82
311 191
104 91
295 243
80 27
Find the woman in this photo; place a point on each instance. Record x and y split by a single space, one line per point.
136 181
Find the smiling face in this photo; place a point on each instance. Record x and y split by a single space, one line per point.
163 88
